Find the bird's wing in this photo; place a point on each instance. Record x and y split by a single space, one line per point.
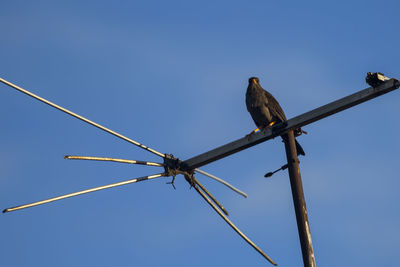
274 107
248 102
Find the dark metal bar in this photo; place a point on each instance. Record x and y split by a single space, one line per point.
294 123
299 201
229 222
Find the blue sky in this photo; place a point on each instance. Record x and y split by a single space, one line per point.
173 75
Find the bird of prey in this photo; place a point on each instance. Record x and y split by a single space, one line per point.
264 109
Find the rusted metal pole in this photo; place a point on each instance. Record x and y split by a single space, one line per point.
298 200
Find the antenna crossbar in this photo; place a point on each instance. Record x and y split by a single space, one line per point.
294 123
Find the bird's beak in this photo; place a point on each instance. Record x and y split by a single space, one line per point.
254 81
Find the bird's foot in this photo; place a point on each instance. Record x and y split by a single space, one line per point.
250 134
278 126
264 129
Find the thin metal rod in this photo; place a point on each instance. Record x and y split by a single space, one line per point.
81 118
222 182
211 196
148 163
231 224
299 201
84 192
294 123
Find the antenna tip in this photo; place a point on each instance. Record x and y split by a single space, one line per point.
66 156
5 210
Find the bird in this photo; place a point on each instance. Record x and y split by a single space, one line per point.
265 109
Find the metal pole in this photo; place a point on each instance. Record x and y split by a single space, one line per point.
188 179
149 177
140 162
298 200
222 182
211 196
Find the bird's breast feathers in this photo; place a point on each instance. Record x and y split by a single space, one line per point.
255 99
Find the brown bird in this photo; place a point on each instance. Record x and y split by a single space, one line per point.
264 109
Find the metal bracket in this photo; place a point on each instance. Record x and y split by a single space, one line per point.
174 166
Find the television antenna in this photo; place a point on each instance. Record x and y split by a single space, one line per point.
174 166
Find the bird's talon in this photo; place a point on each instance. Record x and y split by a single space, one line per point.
248 136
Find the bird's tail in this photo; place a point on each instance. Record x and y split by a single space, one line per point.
299 149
